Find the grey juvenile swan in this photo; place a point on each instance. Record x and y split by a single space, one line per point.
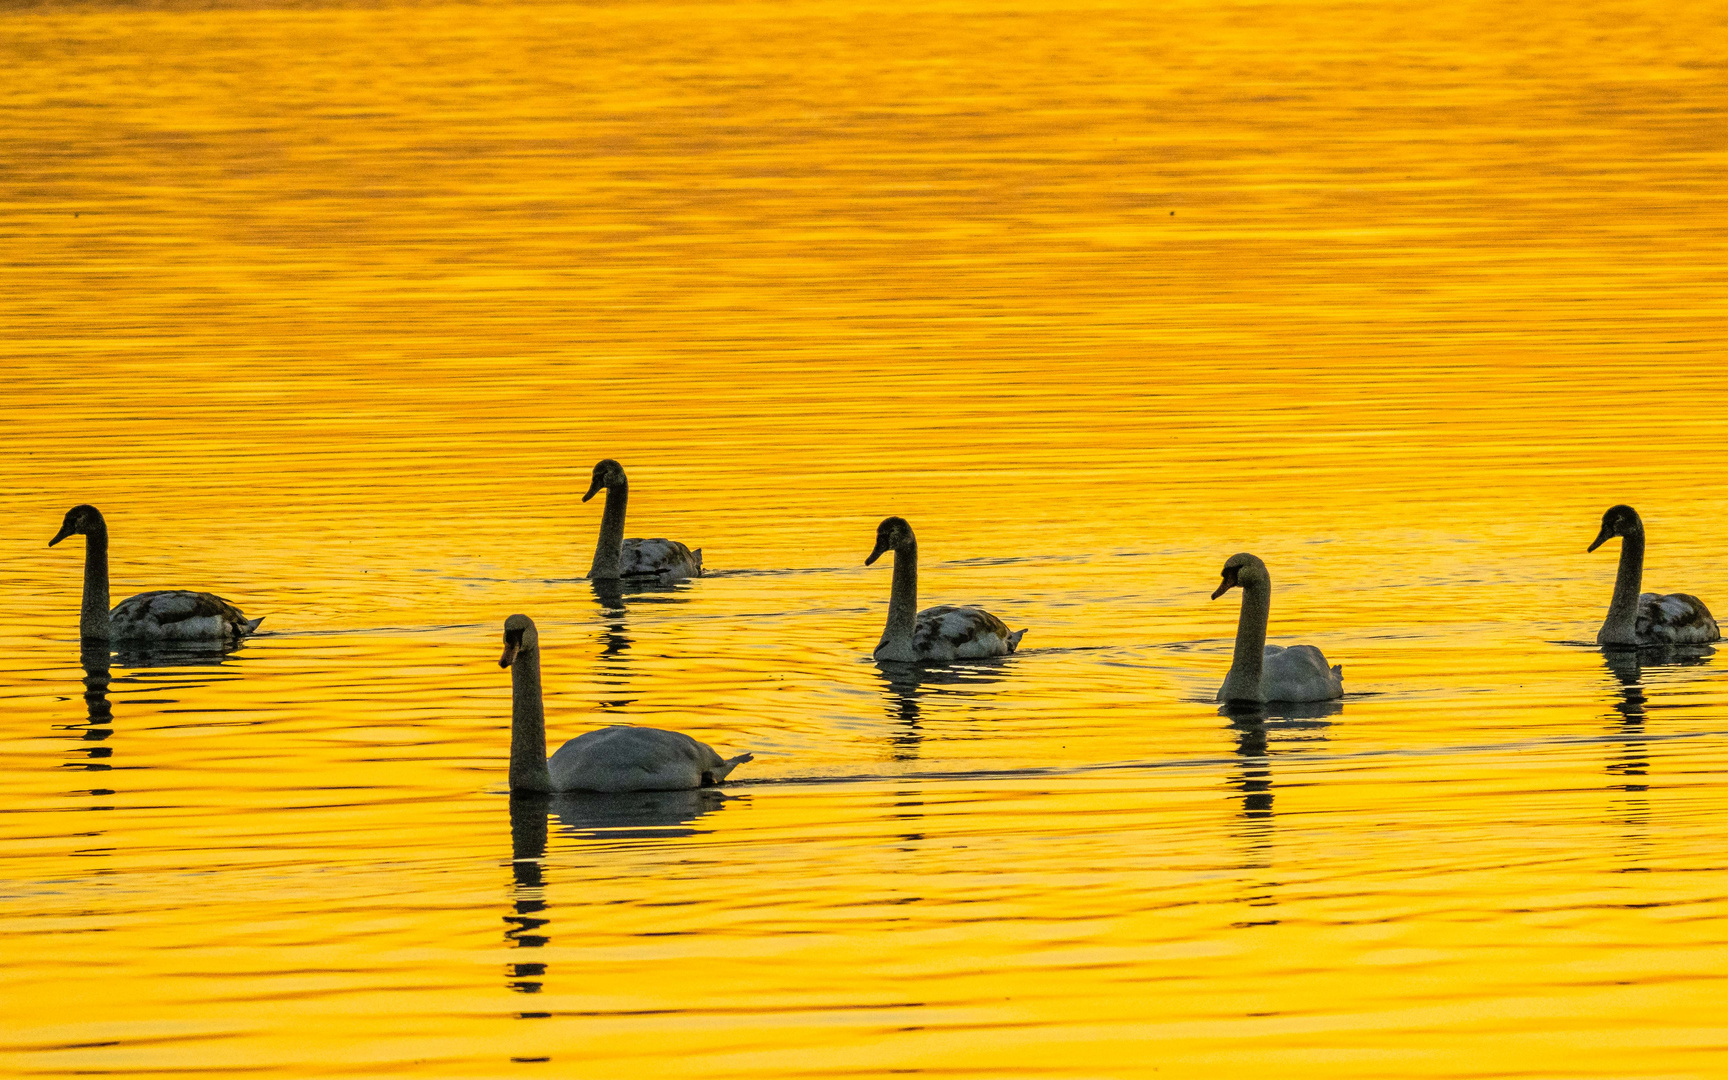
616 557
1648 618
938 634
168 615
1260 672
607 759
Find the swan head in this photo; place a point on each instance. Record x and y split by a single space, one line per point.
608 474
1242 569
894 534
83 519
520 636
1619 520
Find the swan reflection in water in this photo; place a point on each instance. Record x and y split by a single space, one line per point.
1630 764
615 598
907 687
627 816
97 726
1262 730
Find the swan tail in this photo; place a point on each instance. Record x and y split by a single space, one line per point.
1338 672
696 561
724 769
1014 639
248 626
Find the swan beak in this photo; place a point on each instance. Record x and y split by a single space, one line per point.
509 656
1226 585
65 531
1601 538
877 554
592 489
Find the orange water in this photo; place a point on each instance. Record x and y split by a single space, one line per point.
331 310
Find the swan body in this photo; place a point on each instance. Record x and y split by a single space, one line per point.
1260 672
617 557
177 615
667 560
610 759
171 615
1641 618
937 634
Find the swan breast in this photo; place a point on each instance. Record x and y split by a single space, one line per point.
961 633
621 758
1674 619
178 615
660 558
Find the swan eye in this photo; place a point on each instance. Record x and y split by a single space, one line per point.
513 637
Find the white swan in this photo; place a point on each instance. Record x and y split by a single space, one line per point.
1648 618
616 557
938 634
608 759
169 615
1260 672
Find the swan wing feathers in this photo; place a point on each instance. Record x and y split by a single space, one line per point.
659 558
1675 619
179 615
1299 673
637 759
956 633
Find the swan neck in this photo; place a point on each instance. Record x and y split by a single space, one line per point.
93 615
903 601
609 552
1243 682
1621 626
528 770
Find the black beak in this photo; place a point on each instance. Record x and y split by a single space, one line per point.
1226 585
877 554
65 531
592 488
509 656
1601 538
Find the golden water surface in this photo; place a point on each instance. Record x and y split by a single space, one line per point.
332 308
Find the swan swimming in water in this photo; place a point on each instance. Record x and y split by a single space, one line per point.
1260 672
1648 618
167 615
616 557
608 759
938 634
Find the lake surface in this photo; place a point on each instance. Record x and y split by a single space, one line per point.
331 309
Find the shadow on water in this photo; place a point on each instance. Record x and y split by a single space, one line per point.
908 687
638 815
1262 731
1630 764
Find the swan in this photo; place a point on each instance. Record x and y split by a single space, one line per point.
1261 672
167 615
1650 618
609 759
938 634
616 557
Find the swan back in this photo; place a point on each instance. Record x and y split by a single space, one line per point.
621 758
667 560
178 615
947 633
1675 619
1300 673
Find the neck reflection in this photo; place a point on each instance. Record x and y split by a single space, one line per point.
1260 732
613 670
527 890
626 818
